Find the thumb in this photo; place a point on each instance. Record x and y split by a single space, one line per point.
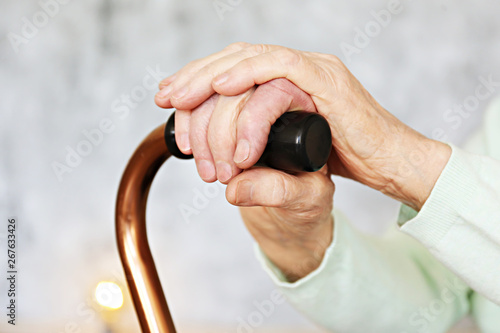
269 101
304 193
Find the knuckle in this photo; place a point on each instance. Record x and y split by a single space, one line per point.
320 198
334 59
193 64
337 65
213 136
328 190
280 191
218 140
321 187
190 68
209 68
260 48
248 65
238 46
198 137
289 57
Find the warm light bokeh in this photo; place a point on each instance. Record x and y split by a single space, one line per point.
109 295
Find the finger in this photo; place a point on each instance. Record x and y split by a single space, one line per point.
308 71
222 134
324 170
182 131
199 121
161 97
302 194
165 89
166 81
187 73
264 107
199 87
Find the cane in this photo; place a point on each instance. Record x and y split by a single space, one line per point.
299 141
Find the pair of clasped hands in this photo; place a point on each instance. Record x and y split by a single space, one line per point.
226 104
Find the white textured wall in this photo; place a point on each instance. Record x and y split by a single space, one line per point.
65 78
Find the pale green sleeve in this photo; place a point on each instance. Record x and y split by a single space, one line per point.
394 283
375 284
460 221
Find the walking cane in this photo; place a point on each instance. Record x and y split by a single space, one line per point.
298 142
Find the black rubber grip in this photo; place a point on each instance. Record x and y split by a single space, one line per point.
298 141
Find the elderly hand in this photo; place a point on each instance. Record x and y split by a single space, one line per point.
288 215
371 145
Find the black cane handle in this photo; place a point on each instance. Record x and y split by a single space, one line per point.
298 141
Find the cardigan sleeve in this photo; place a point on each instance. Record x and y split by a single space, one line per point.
460 221
375 284
417 278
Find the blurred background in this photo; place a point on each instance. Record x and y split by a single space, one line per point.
70 68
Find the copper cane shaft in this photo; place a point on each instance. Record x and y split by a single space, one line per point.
287 150
140 270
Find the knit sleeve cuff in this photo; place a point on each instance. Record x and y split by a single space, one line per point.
446 204
277 275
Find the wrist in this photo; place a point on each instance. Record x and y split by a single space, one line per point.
298 254
420 164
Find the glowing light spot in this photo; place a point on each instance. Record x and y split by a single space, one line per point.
109 295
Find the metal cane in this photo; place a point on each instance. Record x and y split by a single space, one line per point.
299 141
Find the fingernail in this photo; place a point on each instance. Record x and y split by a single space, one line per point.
223 171
206 169
180 93
221 79
244 191
165 91
242 151
183 142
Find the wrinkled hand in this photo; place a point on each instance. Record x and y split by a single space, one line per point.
288 215
371 145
